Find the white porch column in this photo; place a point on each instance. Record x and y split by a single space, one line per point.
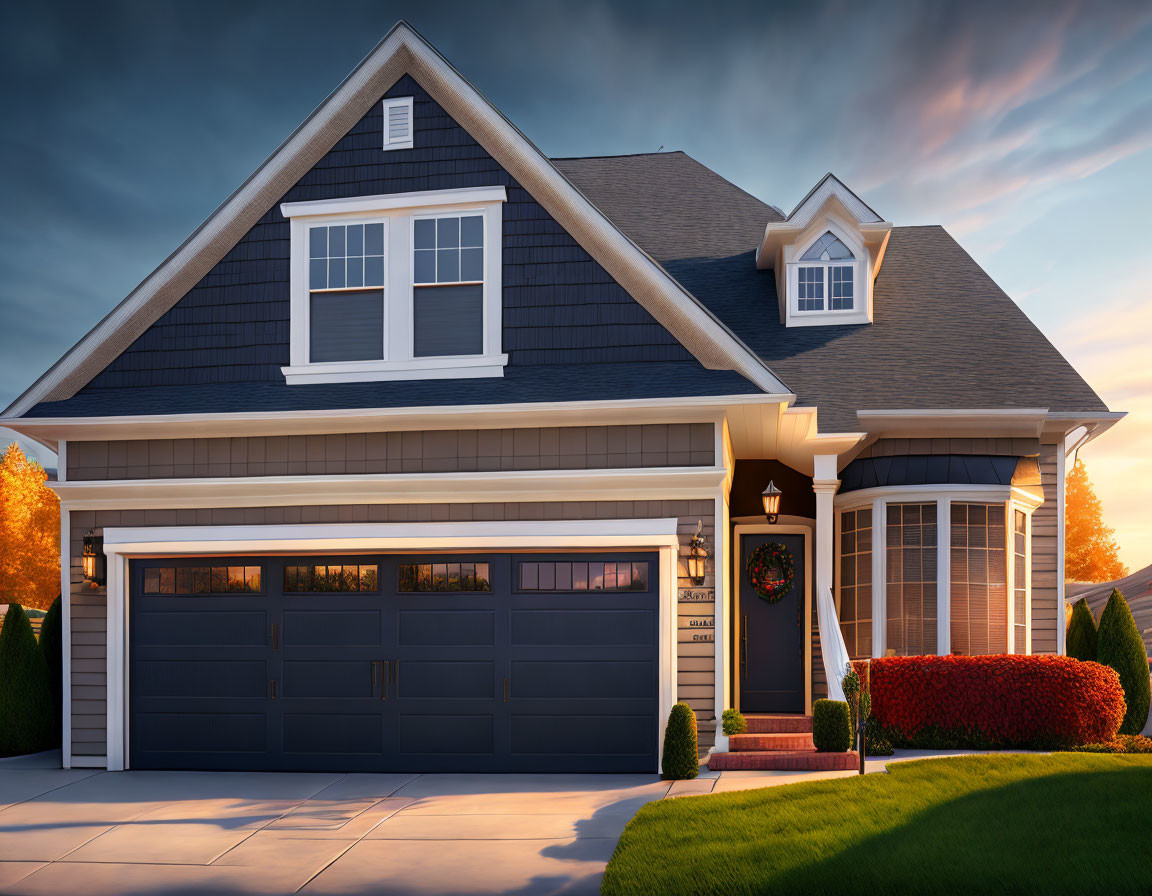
825 484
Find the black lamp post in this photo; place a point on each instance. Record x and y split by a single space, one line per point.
771 499
92 561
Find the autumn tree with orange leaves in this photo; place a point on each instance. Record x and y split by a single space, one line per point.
29 533
1090 550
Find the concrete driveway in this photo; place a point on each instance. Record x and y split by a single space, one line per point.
87 833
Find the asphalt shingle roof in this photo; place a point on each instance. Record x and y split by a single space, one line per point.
944 334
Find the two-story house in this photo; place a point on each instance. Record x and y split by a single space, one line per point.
428 452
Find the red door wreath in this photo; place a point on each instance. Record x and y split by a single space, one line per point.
770 571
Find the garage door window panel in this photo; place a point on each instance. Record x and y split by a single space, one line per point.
187 581
583 575
416 578
331 578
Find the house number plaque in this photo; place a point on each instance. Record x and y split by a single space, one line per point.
697 595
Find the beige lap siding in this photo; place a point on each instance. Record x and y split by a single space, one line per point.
432 451
89 630
1046 614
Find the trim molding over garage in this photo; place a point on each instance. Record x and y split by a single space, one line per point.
121 544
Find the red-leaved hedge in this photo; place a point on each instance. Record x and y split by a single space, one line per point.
995 701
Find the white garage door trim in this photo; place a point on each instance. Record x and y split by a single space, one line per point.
122 544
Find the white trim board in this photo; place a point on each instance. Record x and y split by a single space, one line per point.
625 483
702 409
402 51
120 544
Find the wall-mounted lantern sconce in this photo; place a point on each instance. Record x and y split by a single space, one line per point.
696 557
92 560
771 499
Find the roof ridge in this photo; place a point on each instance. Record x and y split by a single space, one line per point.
626 155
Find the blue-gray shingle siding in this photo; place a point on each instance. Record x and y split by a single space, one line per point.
570 330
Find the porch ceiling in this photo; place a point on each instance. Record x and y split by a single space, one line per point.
790 435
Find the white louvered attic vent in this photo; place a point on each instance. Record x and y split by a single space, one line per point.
398 123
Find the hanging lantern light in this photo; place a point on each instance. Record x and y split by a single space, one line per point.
92 560
771 499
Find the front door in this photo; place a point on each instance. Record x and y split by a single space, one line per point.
771 635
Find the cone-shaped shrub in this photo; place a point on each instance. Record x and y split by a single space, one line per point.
733 722
1121 647
830 726
1081 640
681 753
26 710
50 640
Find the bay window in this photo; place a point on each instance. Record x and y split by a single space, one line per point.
934 570
910 578
979 580
856 582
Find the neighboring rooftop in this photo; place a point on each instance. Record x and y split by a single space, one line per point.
945 335
1137 590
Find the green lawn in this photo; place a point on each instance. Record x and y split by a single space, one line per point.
1064 823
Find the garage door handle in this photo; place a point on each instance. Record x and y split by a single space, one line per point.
275 636
271 688
384 679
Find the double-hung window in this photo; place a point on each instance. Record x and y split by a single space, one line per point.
395 287
448 287
826 276
346 292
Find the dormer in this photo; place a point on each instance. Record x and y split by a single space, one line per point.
826 255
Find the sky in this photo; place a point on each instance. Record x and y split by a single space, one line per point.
1024 128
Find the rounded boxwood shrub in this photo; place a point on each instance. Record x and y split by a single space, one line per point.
50 646
681 758
1080 643
26 709
733 722
831 731
989 702
1121 647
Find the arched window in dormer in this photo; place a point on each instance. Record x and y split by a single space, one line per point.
826 274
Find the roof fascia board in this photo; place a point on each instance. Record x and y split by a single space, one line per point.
976 422
401 51
49 430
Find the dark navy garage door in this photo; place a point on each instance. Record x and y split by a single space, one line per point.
469 662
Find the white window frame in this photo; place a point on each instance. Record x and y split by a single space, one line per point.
861 264
1011 498
397 211
491 260
387 106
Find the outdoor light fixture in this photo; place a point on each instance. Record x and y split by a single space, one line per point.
696 557
92 560
771 499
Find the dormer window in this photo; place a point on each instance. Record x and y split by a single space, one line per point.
826 255
824 276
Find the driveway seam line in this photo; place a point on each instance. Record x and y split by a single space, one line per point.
53 789
360 839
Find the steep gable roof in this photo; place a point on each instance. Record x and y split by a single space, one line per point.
401 52
945 335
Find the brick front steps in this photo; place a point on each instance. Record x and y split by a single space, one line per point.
782 724
784 760
779 743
